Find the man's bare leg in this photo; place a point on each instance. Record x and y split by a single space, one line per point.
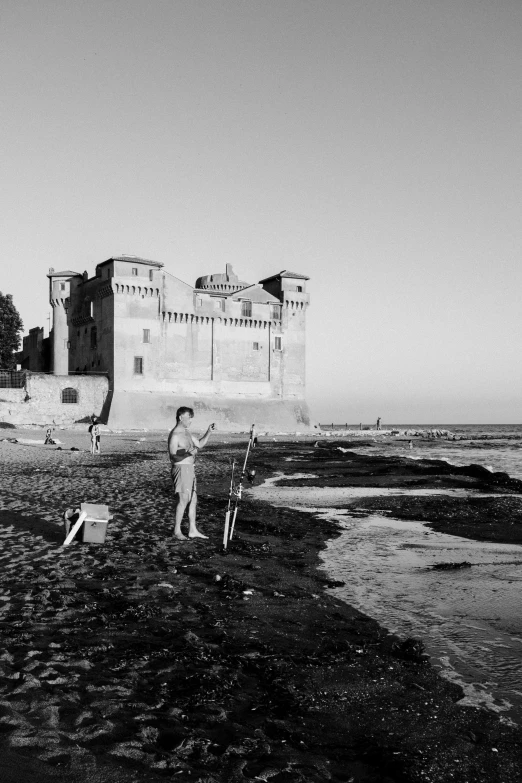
183 500
193 531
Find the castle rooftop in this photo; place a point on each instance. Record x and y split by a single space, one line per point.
132 260
66 273
285 273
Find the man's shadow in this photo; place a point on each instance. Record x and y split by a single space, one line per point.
51 532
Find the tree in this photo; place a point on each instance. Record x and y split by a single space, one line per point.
10 327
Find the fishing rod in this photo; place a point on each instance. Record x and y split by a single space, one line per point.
237 492
227 515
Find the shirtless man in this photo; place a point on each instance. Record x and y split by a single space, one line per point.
183 446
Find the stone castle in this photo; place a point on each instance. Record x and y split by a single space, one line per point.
235 351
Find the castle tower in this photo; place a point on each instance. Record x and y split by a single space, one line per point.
290 289
59 298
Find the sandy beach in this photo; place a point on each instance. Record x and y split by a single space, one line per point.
145 658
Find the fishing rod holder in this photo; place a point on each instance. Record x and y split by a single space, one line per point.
236 491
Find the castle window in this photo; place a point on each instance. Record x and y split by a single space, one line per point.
109 272
69 395
138 365
277 343
255 346
92 310
219 304
94 337
62 286
299 289
146 335
246 309
135 271
275 311
151 273
199 301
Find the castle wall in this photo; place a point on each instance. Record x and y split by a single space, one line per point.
186 348
90 328
135 312
241 354
293 337
41 401
156 411
36 352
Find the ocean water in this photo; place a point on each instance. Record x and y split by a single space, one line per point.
469 619
497 447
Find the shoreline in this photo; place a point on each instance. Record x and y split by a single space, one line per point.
143 665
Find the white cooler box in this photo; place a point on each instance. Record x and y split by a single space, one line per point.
95 523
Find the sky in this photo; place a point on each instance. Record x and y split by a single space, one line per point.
373 145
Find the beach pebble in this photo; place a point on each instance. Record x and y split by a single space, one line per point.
218 578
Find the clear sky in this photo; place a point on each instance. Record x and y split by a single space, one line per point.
374 145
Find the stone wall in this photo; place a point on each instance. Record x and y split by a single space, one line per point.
155 411
41 401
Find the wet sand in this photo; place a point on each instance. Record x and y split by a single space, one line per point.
130 661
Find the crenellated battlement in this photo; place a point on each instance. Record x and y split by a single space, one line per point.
136 290
252 323
60 302
295 305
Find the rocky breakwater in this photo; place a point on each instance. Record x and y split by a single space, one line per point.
367 432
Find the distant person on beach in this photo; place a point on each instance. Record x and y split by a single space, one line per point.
49 437
182 447
94 431
379 423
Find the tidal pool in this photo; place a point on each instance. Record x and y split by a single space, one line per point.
469 619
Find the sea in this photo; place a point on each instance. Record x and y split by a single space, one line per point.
497 447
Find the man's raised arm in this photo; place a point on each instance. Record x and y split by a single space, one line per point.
201 442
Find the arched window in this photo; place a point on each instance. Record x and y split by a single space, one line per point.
70 395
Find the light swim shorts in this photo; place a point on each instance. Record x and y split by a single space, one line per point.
184 478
